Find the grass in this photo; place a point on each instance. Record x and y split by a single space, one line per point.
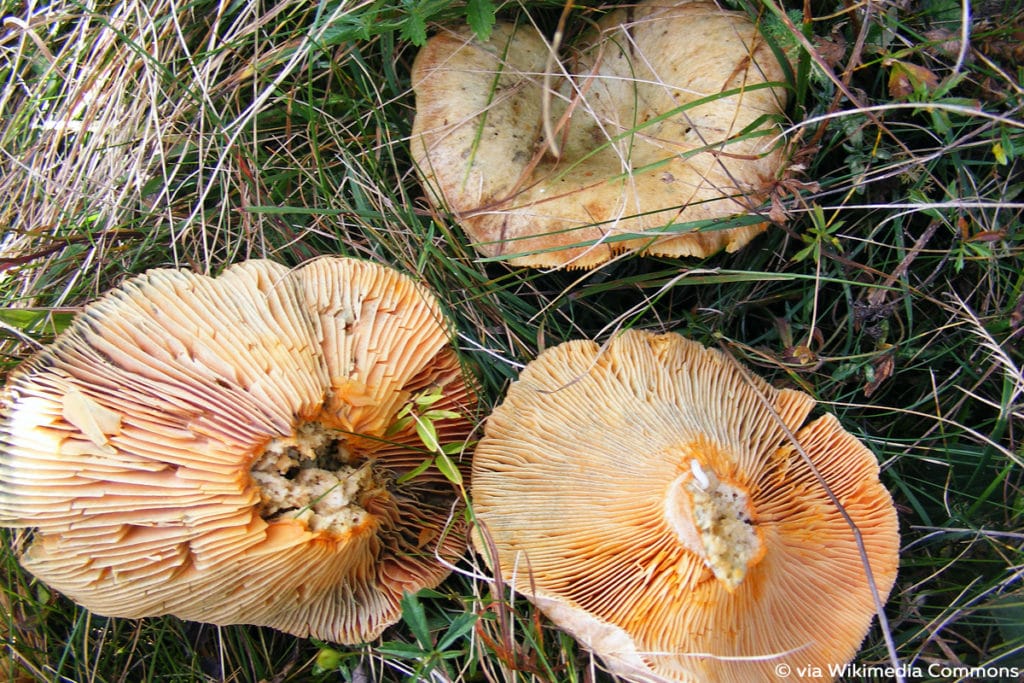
197 134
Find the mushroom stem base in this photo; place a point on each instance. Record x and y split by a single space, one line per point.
314 477
713 518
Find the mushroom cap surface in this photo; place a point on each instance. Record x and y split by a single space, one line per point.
667 114
219 449
645 499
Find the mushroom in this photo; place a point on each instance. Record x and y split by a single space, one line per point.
662 139
647 498
221 449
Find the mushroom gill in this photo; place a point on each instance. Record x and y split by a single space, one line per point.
224 450
646 496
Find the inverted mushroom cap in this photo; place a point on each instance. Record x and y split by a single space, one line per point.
668 120
644 498
219 449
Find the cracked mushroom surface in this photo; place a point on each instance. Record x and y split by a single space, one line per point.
648 502
659 133
220 449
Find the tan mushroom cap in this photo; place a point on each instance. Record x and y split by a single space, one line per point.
645 500
218 449
640 153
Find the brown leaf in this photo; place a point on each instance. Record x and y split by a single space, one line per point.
988 236
943 42
801 357
882 370
777 213
831 49
905 79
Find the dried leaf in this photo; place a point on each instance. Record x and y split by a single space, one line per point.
831 49
801 356
882 368
943 42
778 212
905 79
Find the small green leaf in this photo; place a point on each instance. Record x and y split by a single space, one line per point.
460 626
328 658
428 434
428 398
414 29
803 253
447 467
941 122
480 17
398 425
440 415
415 618
403 650
416 471
27 320
454 447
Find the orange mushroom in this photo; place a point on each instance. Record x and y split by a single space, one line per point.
661 135
220 449
646 497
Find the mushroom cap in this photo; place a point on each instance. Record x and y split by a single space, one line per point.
644 498
219 449
650 141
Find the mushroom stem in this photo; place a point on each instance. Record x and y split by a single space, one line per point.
313 476
714 519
